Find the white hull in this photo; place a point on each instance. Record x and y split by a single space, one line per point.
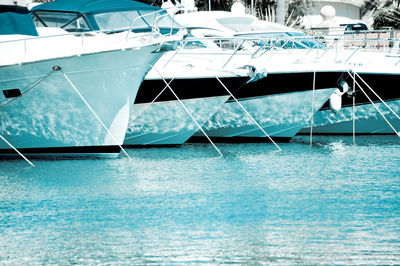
367 120
52 118
194 82
167 123
281 115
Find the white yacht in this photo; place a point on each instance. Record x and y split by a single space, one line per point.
371 104
164 117
281 99
376 73
372 109
161 114
67 92
375 108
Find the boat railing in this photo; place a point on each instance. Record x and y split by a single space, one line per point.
154 26
299 48
20 48
379 40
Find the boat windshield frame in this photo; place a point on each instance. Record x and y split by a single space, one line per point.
91 22
141 16
39 15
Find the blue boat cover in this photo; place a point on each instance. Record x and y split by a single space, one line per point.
16 20
93 6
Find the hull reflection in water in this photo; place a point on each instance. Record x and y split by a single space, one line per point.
158 118
281 116
368 120
167 123
281 103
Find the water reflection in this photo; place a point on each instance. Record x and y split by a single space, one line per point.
333 203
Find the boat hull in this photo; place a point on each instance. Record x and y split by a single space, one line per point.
367 119
163 120
281 105
167 123
281 116
50 118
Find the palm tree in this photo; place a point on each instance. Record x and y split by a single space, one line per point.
297 9
280 11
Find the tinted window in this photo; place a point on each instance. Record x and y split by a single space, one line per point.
355 27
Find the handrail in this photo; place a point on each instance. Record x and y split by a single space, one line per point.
154 26
27 41
20 45
141 17
260 45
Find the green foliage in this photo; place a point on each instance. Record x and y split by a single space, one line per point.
296 10
386 17
263 9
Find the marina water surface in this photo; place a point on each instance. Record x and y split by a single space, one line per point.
332 203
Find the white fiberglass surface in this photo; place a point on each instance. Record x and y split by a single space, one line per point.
52 113
280 113
168 122
55 43
367 120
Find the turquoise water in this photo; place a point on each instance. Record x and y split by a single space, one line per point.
334 203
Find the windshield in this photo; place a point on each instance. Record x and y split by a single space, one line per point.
123 20
108 22
237 24
66 20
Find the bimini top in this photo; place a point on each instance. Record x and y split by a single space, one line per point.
16 20
102 15
93 6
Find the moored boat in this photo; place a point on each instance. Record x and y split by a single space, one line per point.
286 93
374 70
67 92
372 109
161 115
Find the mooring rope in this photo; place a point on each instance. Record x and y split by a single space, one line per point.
312 108
245 110
383 116
93 112
175 53
354 109
369 87
17 151
148 104
233 54
30 88
187 111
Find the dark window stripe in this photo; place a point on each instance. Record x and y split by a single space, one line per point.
187 88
